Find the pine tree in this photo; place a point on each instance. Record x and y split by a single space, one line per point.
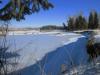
96 20
71 24
90 21
17 9
65 26
93 21
81 23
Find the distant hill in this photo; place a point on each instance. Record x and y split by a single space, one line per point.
52 27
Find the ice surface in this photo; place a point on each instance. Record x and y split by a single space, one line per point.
48 51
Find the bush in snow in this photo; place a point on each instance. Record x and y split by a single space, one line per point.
93 47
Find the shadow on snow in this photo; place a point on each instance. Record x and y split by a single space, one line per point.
72 54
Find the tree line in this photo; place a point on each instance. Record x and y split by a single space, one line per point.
51 27
80 22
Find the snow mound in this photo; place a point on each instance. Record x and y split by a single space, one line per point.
97 38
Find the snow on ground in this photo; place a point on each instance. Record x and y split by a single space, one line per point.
92 68
48 52
97 38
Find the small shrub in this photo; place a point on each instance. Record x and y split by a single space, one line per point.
93 49
97 48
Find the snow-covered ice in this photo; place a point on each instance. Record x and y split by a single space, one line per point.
48 52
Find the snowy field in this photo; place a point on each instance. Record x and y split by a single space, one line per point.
47 53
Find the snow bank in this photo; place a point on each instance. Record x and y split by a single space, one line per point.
97 38
92 68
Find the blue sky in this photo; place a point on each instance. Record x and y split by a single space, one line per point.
59 14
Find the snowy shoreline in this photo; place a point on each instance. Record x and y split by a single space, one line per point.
28 32
58 46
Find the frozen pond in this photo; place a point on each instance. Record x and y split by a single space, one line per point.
50 51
